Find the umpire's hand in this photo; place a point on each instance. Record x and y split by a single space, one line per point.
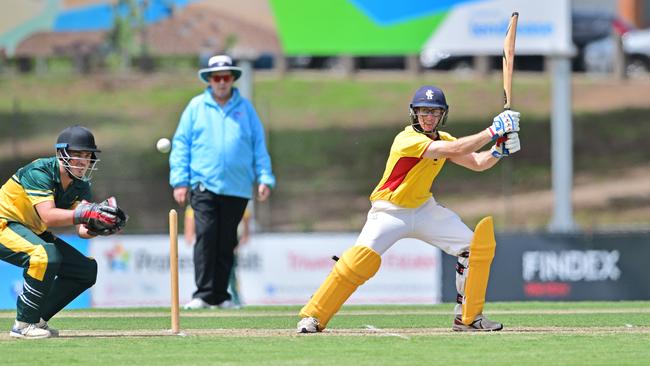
263 192
180 195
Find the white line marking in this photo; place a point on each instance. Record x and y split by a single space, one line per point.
377 330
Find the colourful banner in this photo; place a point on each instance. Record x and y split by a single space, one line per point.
455 27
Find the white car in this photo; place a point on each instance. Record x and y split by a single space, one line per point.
599 55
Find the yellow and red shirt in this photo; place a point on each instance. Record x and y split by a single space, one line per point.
408 176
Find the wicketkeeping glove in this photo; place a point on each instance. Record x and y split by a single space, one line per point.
104 218
505 122
93 214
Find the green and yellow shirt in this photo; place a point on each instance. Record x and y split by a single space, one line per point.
34 183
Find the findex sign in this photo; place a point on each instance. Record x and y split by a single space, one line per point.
571 265
600 266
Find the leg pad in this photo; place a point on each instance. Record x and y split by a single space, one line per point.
481 253
354 268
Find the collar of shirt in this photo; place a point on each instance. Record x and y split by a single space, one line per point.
235 99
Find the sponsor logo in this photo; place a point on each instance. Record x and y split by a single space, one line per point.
498 29
404 262
249 261
489 23
547 289
122 260
571 265
144 261
551 274
409 262
118 258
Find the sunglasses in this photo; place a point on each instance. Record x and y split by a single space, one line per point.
430 112
219 78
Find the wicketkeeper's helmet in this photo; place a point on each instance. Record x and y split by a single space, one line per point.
431 97
77 138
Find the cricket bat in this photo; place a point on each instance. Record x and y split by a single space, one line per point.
509 60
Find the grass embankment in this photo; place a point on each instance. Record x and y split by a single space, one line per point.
328 139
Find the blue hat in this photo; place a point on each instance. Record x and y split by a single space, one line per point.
219 63
429 96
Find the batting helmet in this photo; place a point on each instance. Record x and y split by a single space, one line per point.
431 97
77 138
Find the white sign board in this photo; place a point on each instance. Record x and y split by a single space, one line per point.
288 268
479 27
273 269
133 270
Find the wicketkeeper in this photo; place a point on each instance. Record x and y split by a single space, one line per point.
51 192
403 207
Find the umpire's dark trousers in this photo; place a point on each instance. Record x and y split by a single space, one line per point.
216 219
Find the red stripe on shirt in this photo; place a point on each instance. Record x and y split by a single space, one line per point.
401 168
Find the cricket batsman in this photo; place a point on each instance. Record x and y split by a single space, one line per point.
403 207
53 192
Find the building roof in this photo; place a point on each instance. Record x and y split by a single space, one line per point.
192 30
43 44
198 28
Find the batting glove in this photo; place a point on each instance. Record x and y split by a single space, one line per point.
506 146
505 122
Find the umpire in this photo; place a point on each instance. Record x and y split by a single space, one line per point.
218 155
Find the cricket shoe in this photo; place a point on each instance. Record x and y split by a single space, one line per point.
197 303
480 324
308 325
43 325
24 330
228 304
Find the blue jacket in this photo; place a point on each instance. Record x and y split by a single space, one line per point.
221 147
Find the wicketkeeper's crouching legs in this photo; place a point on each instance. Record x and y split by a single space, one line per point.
472 275
54 274
354 268
76 274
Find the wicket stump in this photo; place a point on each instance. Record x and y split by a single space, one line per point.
173 269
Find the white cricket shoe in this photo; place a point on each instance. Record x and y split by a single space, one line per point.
228 304
480 324
24 330
197 303
43 325
308 325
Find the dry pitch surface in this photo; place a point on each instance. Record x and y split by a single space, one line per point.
367 330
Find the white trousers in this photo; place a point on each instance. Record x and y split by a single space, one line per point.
432 223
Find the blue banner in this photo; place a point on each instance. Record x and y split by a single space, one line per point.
11 283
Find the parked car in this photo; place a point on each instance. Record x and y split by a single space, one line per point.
599 55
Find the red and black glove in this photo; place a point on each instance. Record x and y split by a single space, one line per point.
94 215
104 218
120 220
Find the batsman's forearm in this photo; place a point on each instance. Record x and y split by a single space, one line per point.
469 144
486 160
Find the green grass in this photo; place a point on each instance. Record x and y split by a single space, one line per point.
576 333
